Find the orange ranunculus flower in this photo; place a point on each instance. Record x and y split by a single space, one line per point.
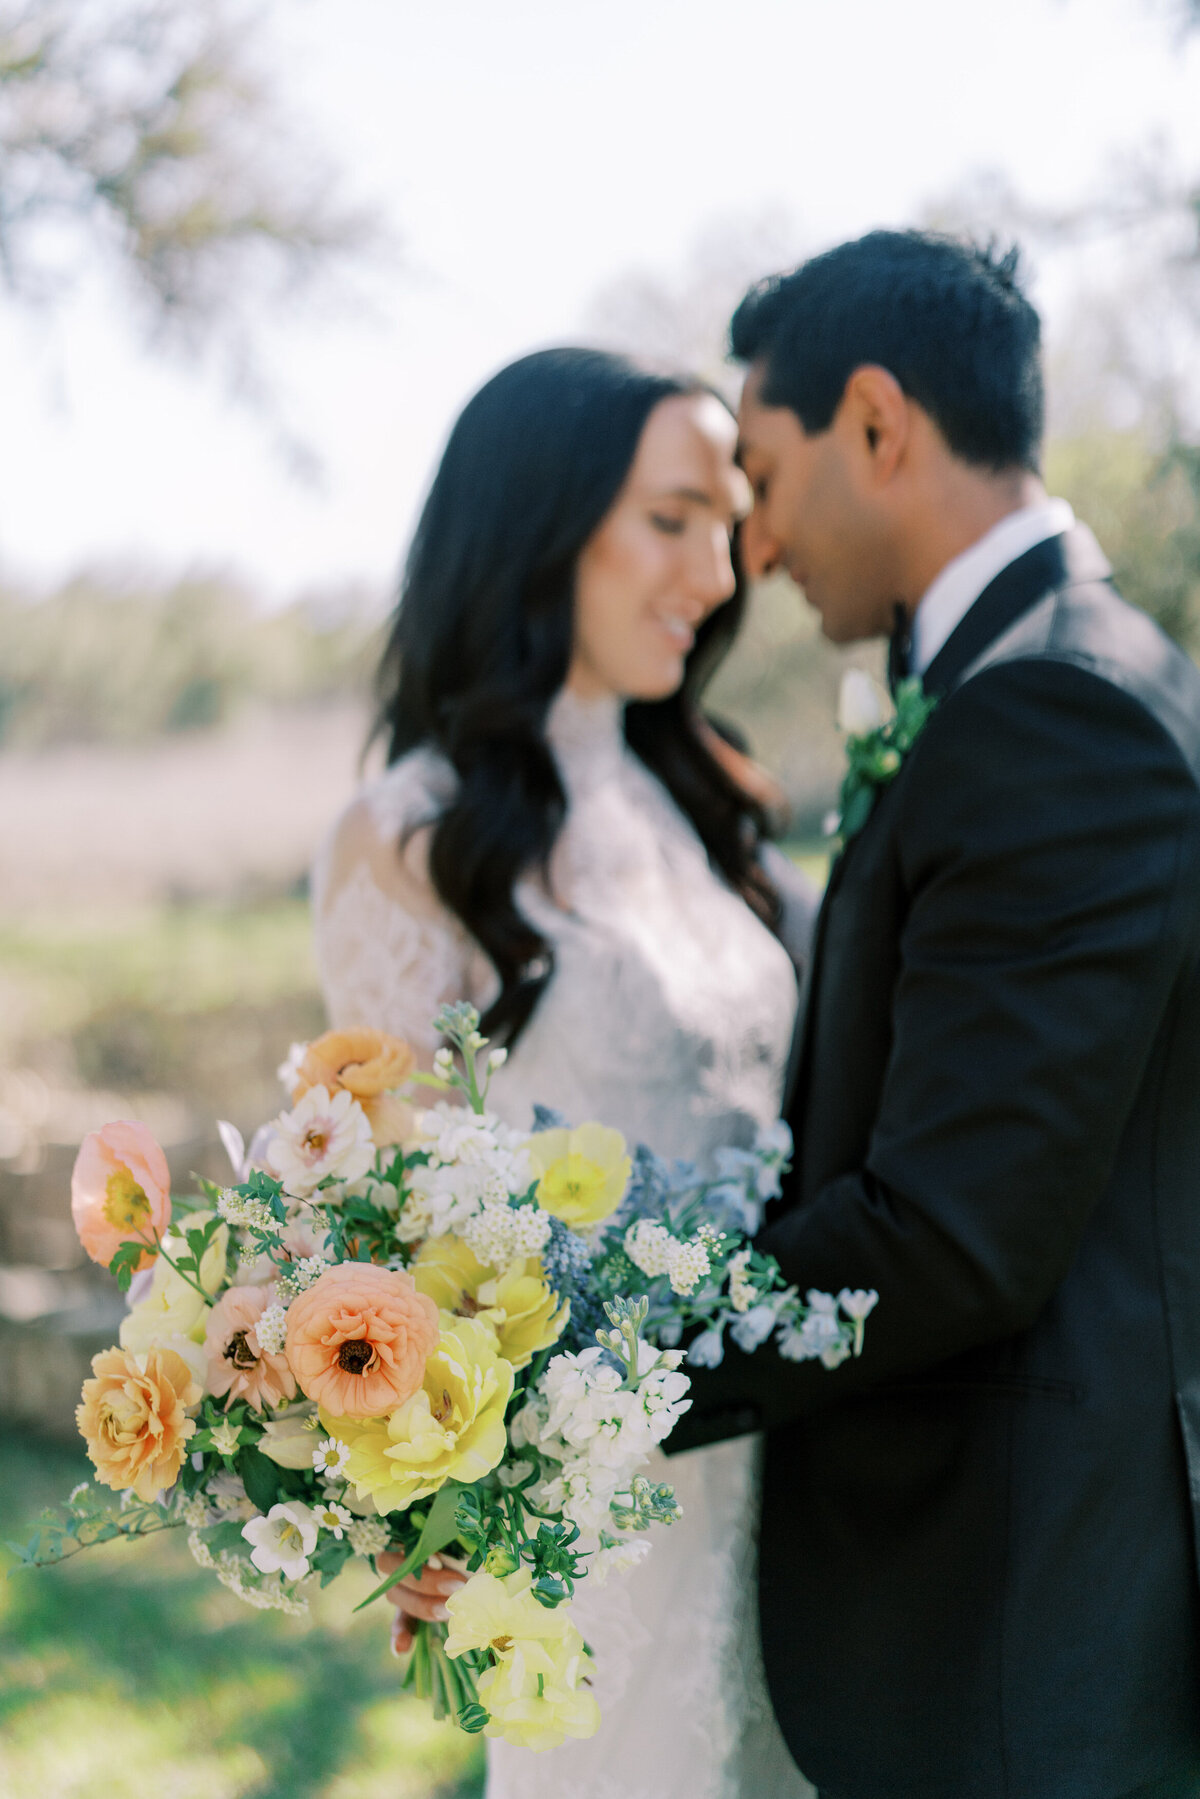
120 1190
358 1339
238 1366
134 1418
368 1064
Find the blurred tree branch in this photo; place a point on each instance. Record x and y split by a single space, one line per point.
138 130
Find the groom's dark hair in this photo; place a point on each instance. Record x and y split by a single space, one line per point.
947 318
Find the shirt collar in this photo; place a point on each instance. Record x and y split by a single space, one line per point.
954 591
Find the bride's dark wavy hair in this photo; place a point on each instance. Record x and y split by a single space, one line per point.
481 641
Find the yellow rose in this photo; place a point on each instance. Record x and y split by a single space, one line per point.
451 1429
584 1173
518 1305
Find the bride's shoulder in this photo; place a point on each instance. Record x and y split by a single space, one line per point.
386 826
413 791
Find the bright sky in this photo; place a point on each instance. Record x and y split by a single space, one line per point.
529 153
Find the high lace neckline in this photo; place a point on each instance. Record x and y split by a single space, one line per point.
587 736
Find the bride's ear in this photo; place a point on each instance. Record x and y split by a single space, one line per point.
875 421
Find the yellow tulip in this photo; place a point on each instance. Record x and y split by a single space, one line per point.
518 1305
584 1173
451 1429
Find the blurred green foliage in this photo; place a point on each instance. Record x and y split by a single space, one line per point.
131 1674
100 660
1144 506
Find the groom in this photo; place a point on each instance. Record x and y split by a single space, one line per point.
978 1547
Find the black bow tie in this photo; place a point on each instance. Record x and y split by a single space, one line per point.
899 647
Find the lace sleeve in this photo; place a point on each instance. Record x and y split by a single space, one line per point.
388 952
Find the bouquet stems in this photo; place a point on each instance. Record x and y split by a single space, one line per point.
448 1685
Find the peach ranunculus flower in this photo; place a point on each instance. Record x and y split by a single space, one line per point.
120 1190
368 1064
358 1339
133 1417
238 1366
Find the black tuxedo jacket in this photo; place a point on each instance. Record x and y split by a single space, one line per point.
978 1541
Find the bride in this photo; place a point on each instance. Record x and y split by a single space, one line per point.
563 839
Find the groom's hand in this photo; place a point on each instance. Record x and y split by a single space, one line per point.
422 1597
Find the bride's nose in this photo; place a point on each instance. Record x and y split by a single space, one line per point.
711 578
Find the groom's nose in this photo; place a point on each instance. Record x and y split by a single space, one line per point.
761 551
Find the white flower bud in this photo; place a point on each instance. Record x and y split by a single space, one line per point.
861 705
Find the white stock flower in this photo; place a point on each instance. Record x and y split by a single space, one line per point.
753 1328
858 1304
707 1350
648 1247
862 706
322 1135
282 1541
616 1558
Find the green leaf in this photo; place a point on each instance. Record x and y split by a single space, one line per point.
260 1477
124 1262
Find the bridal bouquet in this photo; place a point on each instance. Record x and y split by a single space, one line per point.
423 1332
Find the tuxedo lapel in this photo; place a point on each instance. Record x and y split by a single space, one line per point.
1057 563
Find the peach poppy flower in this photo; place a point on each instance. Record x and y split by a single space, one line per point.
133 1417
238 1366
357 1341
367 1064
120 1189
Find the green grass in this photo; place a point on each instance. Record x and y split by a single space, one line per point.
130 1674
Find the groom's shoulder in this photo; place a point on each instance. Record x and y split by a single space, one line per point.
1084 634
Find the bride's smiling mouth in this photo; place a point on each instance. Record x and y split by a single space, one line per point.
681 634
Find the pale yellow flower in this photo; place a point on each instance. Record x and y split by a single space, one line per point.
173 1315
451 1429
518 1305
584 1172
540 1694
493 1612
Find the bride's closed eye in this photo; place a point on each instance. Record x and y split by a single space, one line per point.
671 527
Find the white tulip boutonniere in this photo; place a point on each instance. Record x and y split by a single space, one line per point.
879 734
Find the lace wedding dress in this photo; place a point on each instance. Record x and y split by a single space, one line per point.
669 1016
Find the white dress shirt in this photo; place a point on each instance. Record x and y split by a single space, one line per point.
948 599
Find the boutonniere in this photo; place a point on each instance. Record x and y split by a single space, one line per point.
879 735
